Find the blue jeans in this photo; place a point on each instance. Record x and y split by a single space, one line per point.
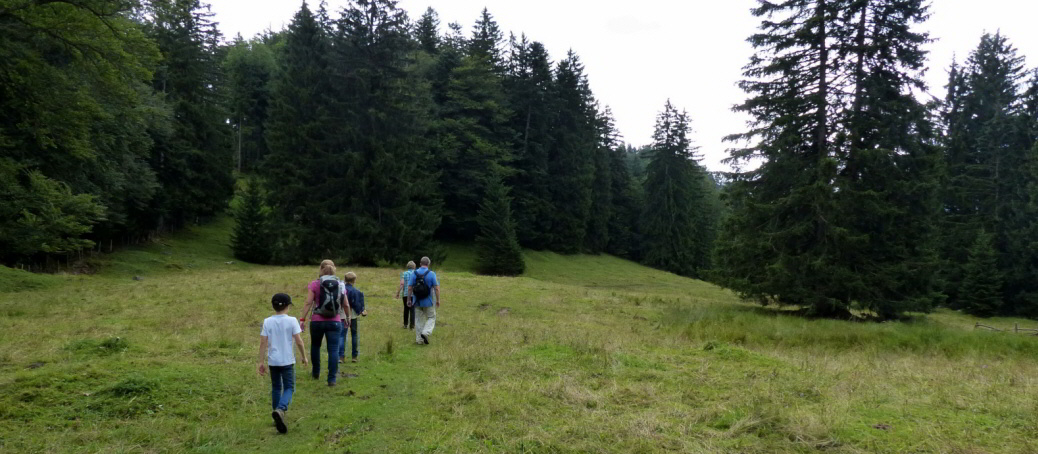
282 384
352 328
325 331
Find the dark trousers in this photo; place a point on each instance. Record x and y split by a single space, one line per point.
328 331
408 314
282 384
352 328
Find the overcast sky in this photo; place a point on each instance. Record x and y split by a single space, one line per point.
637 54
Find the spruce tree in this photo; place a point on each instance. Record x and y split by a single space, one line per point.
193 161
427 31
602 209
389 202
497 246
249 66
991 170
303 169
571 157
673 196
626 206
473 138
251 238
838 210
529 86
887 190
981 288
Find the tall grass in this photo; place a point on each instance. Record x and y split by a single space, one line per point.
581 354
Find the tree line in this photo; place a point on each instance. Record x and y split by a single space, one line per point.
368 136
866 197
385 135
112 124
359 134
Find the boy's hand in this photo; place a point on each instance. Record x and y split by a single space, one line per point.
305 361
364 313
262 368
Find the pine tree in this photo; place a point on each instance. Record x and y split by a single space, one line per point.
626 207
249 66
839 209
427 31
497 246
473 141
303 170
571 157
991 170
251 238
194 162
530 86
602 209
392 209
673 196
886 192
981 290
486 41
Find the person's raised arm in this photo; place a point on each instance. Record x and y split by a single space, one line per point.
261 365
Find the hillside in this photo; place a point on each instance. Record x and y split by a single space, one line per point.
156 353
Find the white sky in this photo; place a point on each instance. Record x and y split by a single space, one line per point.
639 54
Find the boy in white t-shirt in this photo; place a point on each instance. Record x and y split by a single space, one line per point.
279 330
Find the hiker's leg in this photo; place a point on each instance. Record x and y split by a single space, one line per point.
405 312
316 334
430 320
288 380
353 336
410 311
275 386
419 323
332 332
343 327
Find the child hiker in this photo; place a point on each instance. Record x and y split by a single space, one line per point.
276 338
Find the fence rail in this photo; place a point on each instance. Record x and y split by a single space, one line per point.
1016 329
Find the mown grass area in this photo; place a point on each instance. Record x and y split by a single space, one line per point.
581 354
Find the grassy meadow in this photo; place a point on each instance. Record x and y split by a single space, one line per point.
156 353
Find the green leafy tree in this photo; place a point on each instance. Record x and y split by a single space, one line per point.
75 109
497 245
42 216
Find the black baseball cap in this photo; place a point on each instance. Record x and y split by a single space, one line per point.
280 301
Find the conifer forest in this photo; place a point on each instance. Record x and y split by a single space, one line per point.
371 136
